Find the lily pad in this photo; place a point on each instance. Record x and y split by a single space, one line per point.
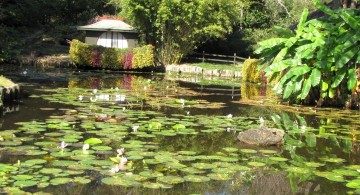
170 179
196 178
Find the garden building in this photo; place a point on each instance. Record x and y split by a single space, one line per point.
109 32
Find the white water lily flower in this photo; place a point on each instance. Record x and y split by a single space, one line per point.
80 97
135 128
116 88
229 116
262 121
120 152
63 145
95 91
182 101
85 147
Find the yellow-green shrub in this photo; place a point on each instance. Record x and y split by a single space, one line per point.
80 53
143 57
250 72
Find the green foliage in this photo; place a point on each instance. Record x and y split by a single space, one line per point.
176 27
250 72
321 57
86 55
80 53
143 57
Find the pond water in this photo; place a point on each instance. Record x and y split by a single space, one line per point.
179 137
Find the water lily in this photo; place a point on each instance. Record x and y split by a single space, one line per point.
63 145
228 129
93 99
80 97
188 113
85 147
182 101
116 88
124 108
229 116
120 152
135 128
95 91
123 161
115 169
262 121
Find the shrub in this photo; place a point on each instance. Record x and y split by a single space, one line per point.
95 56
143 57
250 72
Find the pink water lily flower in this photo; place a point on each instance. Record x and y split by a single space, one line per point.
120 152
123 161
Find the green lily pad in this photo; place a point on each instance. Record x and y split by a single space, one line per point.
22 177
93 141
204 165
299 170
278 159
230 149
170 179
196 178
50 171
153 185
330 176
220 176
25 183
81 180
354 184
248 151
256 164
101 148
314 164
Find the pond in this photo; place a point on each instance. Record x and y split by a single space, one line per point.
179 136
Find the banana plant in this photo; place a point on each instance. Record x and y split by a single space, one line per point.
321 56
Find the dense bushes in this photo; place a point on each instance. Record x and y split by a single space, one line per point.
250 72
94 56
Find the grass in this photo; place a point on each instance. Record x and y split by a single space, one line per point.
4 82
211 66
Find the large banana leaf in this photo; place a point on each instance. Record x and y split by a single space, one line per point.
269 44
307 86
352 78
288 89
351 21
315 77
323 7
338 79
302 21
283 32
347 56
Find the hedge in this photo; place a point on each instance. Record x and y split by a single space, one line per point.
250 72
95 56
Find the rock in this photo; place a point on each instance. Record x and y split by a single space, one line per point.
262 136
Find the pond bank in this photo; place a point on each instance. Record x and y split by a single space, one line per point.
190 69
45 61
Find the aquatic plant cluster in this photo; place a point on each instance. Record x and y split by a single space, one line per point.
131 142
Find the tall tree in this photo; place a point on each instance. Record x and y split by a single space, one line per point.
176 27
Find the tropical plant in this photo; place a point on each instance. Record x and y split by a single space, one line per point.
319 62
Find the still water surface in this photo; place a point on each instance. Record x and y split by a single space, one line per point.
184 141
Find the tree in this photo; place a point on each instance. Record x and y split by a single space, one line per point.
176 27
318 62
